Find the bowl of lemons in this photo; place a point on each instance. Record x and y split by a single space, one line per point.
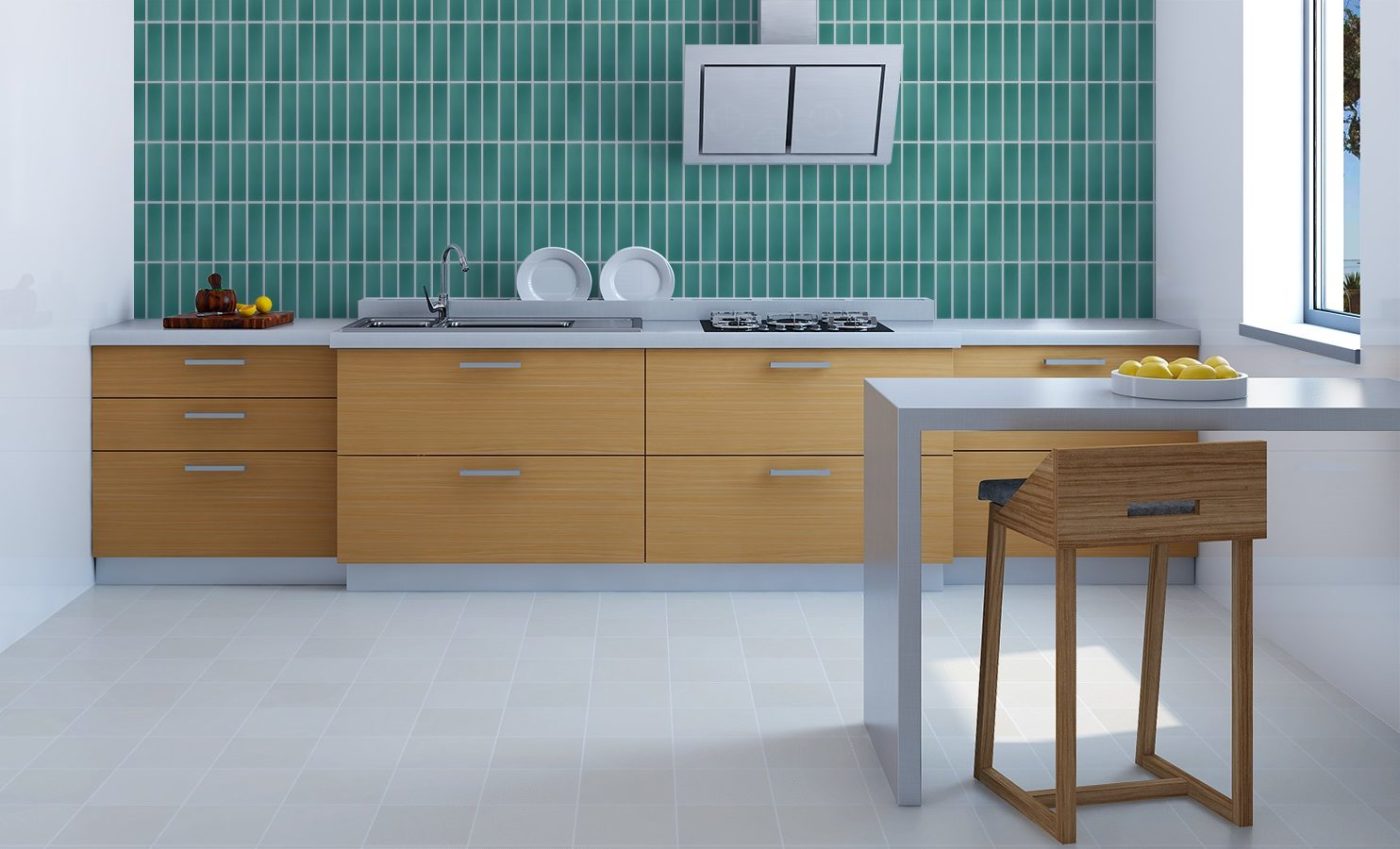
1183 379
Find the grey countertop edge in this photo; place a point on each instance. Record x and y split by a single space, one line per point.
947 333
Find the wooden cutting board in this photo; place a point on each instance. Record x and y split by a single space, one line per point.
192 321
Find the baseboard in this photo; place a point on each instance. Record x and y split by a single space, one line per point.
234 571
615 577
1091 570
594 577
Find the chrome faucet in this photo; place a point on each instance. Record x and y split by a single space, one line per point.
444 298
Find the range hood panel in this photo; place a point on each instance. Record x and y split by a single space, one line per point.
784 104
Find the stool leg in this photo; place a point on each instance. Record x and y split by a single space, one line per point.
1152 652
992 594
1242 681
1066 726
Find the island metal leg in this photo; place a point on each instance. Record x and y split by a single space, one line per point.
893 587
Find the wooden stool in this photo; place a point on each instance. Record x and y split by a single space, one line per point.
1091 497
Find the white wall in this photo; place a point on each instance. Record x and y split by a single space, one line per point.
1229 160
65 267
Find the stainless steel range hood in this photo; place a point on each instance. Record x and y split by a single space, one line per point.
789 100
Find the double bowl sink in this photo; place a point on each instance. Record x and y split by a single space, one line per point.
497 325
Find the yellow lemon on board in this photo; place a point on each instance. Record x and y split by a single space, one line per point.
1177 368
1225 372
1217 361
247 311
1153 359
1129 367
1197 372
263 303
1155 370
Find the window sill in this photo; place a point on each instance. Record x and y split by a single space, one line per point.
1323 341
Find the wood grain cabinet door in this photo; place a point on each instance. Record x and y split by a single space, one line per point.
766 402
778 509
213 504
491 509
462 401
231 424
213 371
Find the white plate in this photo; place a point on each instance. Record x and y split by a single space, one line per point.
1162 389
637 274
554 274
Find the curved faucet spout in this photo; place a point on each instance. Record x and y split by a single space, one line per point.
440 306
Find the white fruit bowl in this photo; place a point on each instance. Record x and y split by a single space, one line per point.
1221 389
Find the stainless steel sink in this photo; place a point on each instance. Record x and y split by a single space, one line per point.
500 325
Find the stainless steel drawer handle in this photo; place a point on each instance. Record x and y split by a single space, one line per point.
234 362
195 468
800 473
488 473
488 365
1075 361
214 416
817 364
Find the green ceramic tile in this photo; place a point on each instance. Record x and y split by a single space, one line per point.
326 147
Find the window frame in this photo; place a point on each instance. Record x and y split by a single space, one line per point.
1320 141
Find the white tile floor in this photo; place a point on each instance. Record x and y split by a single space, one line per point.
313 717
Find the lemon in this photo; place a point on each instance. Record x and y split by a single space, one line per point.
1129 367
1153 359
1155 370
1177 368
263 303
247 311
1197 372
1217 361
1185 361
1225 372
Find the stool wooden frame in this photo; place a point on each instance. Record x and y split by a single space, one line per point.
1079 498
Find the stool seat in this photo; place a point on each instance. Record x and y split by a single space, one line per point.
999 492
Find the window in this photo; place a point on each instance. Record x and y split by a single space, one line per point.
1333 287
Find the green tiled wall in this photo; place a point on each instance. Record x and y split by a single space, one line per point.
320 150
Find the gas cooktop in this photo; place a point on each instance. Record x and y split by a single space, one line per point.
845 321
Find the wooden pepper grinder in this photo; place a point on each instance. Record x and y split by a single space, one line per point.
216 299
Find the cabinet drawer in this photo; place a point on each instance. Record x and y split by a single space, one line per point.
776 509
1044 440
238 424
464 401
970 515
213 504
767 402
491 509
212 371
1056 361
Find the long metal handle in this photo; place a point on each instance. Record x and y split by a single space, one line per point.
214 416
488 365
215 362
800 473
816 364
488 473
195 468
1075 361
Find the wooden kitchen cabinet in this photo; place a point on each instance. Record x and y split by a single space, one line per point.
779 509
213 504
213 451
467 401
212 371
491 509
768 402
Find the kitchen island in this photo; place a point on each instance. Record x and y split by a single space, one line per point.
899 411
